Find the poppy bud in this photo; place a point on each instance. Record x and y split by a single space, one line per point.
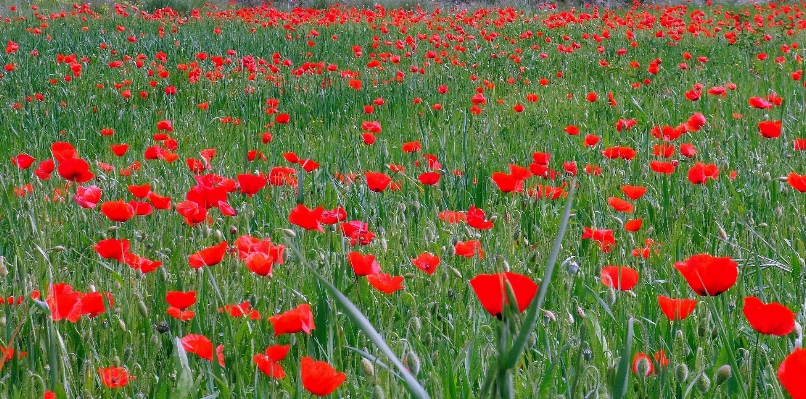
699 360
455 272
799 334
611 295
122 325
288 233
549 316
141 307
163 327
580 312
704 383
415 325
643 367
377 392
368 367
410 275
587 355
111 229
233 230
413 363
722 374
681 373
722 233
573 267
57 248
505 264
2 320
3 269
115 361
219 235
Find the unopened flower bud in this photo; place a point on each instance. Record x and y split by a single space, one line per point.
368 367
704 383
681 373
413 363
722 374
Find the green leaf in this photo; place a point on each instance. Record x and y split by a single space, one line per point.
622 381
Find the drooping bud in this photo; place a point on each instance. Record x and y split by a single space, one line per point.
681 373
722 374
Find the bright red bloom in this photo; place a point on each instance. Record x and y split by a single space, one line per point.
770 129
791 372
377 181
209 256
242 309
92 303
798 182
358 232
293 321
633 192
181 300
117 211
260 263
23 161
633 225
338 214
112 248
622 278
306 218
604 237
468 249
412 146
695 122
491 291
363 265
619 152
251 184
429 178
660 359
180 314
198 344
320 378
115 377
676 309
137 262
708 275
75 169
621 205
760 103
662 167
87 197
772 318
507 183
62 151
64 303
385 283
268 366
426 262
476 218
165 125
700 173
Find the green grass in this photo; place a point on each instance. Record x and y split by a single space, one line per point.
575 352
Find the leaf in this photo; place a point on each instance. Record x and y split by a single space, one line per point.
622 381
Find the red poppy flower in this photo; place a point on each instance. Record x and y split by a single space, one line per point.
87 197
772 318
191 211
603 236
112 248
770 129
476 218
306 218
660 359
426 262
619 152
363 265
676 309
64 303
320 378
209 256
181 300
141 208
633 225
242 309
309 165
251 184
622 278
662 167
62 151
491 291
180 314
23 161
75 169
507 183
117 211
260 263
468 249
412 146
293 321
115 377
620 205
268 366
92 303
385 283
798 182
377 181
791 372
158 201
700 173
141 191
708 275
198 344
760 103
165 125
429 178
368 138
695 122
591 140
137 262
338 214
358 232
633 192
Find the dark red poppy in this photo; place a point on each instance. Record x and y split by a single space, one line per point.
117 211
676 309
772 318
306 218
293 321
112 248
622 278
791 372
181 300
75 169
377 181
491 291
385 283
363 265
426 262
209 256
708 275
198 344
320 378
87 197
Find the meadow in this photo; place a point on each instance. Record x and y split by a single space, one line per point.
273 202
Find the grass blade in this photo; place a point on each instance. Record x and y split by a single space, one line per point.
622 381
